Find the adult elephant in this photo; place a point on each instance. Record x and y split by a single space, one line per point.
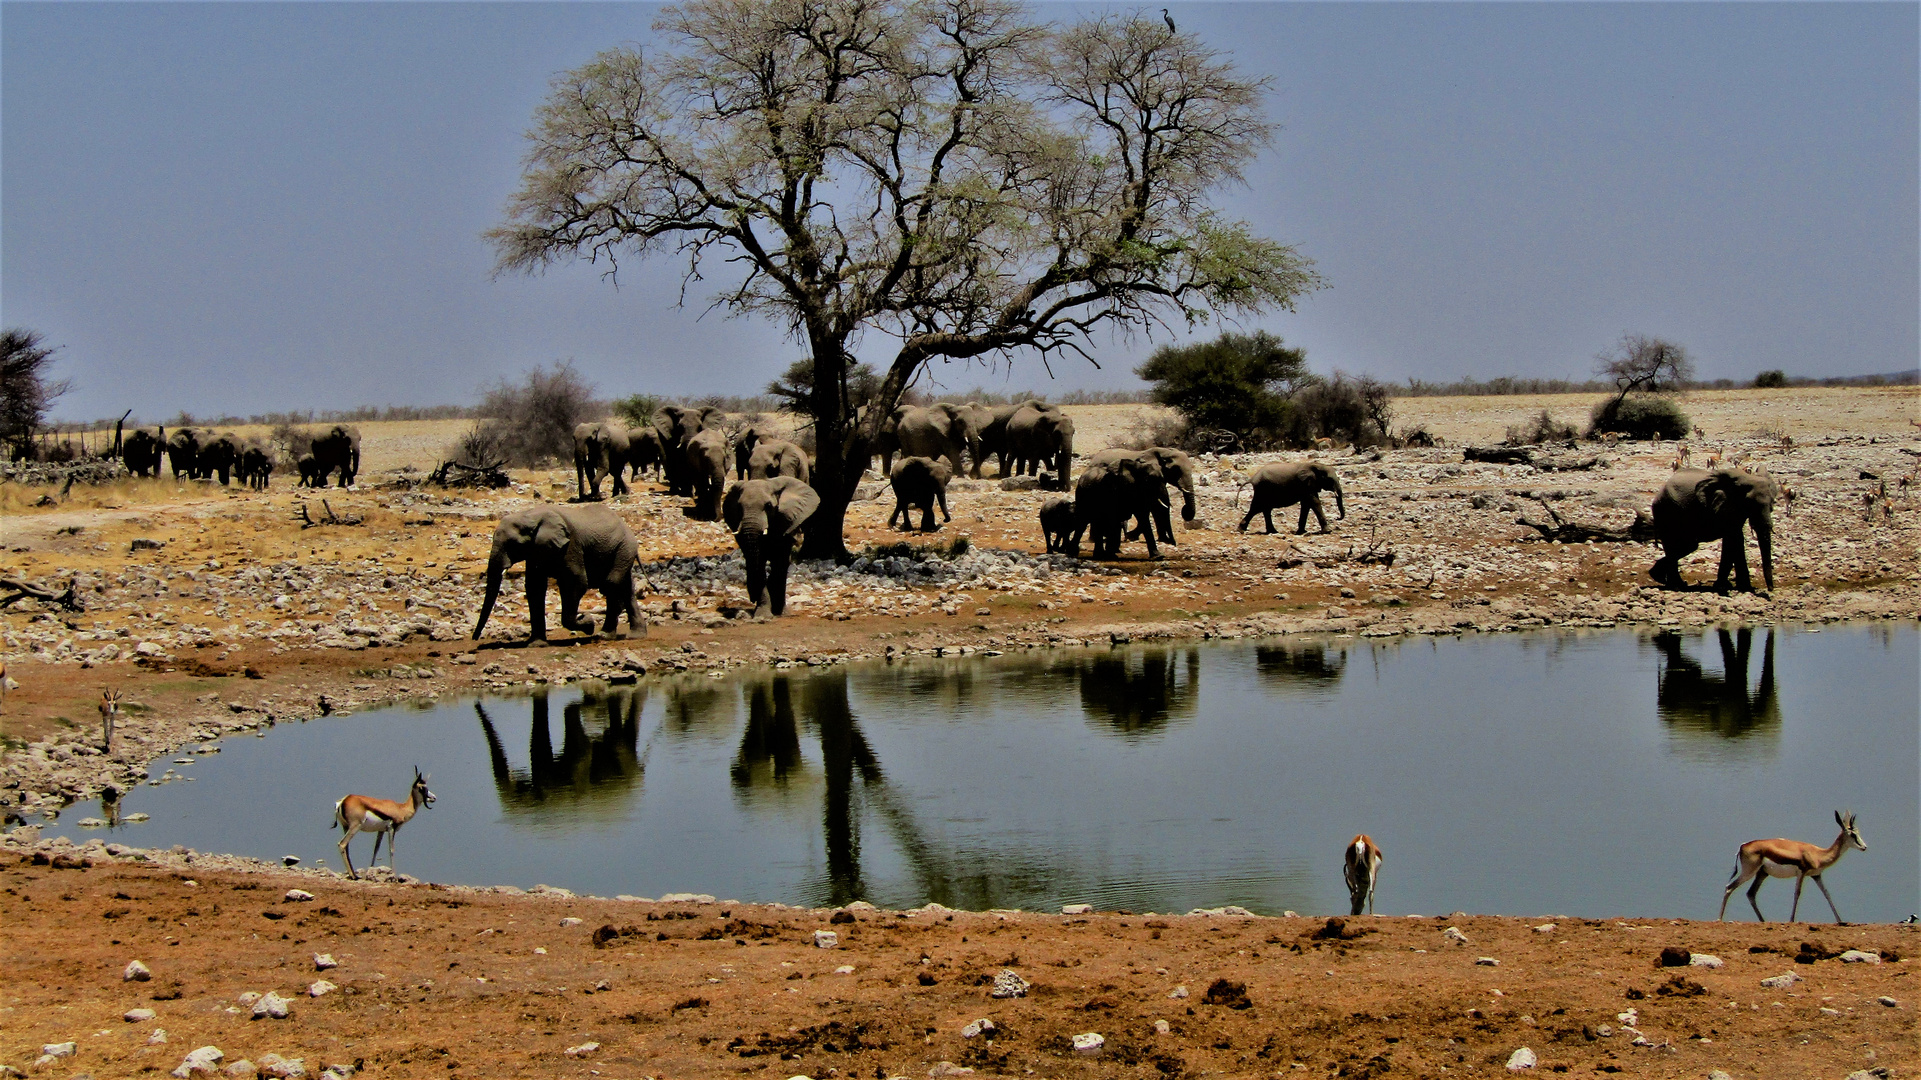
183 453
1285 483
990 428
1175 468
1697 506
336 452
919 482
677 424
579 548
705 462
745 440
218 457
1107 495
600 449
942 430
1041 436
764 515
141 451
778 457
643 450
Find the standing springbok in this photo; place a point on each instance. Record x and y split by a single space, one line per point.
109 708
1363 866
1763 859
357 813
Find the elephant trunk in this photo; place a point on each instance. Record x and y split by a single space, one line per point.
1340 500
496 567
1187 503
1764 537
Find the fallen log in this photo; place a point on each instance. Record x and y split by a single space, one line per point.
1499 455
1573 532
455 474
307 521
25 589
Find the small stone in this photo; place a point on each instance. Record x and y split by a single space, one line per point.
582 1050
321 988
1177 993
1719 1074
1008 984
1077 909
1704 960
1521 1059
271 1005
977 1027
137 1016
290 860
297 896
1781 982
1674 956
1825 1011
159 1036
1453 934
1860 956
243 1069
1089 1043
826 939
249 997
1486 961
1888 1001
324 961
136 972
1162 1027
844 969
570 921
686 897
204 1060
58 1050
283 1068
948 1068
1630 1017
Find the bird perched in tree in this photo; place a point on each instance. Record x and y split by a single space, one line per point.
1170 21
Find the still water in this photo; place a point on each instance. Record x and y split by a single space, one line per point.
1596 773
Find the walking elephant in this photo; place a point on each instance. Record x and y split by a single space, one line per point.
990 428
942 430
677 424
337 451
764 516
643 451
704 460
745 440
1285 483
600 449
310 474
1041 436
256 468
141 451
1061 526
778 457
1175 468
919 482
218 456
579 548
183 453
1696 507
1109 494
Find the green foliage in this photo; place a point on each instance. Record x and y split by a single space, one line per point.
958 546
637 409
795 387
1344 409
1642 416
1236 383
1771 380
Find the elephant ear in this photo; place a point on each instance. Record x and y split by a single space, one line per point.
664 417
796 503
730 508
1714 494
552 532
942 472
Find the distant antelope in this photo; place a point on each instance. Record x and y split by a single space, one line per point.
1363 866
1763 859
6 682
1699 434
109 708
1682 455
356 813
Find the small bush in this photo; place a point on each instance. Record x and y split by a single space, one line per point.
1348 410
637 409
1771 380
1541 429
1641 416
537 416
486 443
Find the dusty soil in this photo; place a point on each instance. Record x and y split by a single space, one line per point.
241 617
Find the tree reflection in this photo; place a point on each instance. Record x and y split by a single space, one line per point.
1139 694
1300 665
597 766
1694 700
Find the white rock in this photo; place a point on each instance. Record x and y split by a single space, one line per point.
1719 1074
321 988
1089 1043
297 896
1453 934
1521 1059
687 898
1860 956
977 1027
1008 984
1630 1017
249 997
204 1060
159 1036
271 1005
137 1016
283 1068
582 1050
136 972
1781 982
1888 1001
948 1068
1177 993
826 939
59 1050
1546 928
1486 961
570 921
324 961
243 1069
844 969
1077 909
1706 960
1162 1027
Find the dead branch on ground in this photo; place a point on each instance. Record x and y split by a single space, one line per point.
307 521
1574 532
455 474
24 589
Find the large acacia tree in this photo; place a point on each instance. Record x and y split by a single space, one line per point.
952 174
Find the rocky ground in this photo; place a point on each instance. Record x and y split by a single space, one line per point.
220 611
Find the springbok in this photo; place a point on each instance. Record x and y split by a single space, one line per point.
1763 859
1363 866
109 708
357 813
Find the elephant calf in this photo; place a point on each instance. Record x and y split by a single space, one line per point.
1285 483
1696 507
919 482
1061 526
580 547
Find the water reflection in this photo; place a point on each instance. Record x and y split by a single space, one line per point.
1693 700
598 767
1137 694
1311 665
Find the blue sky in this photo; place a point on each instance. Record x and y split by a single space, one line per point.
243 207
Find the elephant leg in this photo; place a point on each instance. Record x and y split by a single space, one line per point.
1301 526
537 603
777 574
927 516
570 615
1252 509
900 513
1734 550
757 584
1147 533
620 482
1667 570
941 497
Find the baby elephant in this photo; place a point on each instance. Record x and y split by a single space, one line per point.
919 482
1061 526
580 547
1285 483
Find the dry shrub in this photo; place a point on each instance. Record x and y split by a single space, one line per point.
1543 428
533 421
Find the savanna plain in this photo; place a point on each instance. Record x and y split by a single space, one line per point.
223 611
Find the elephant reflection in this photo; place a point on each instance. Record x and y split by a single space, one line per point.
1134 695
1310 665
597 765
1690 698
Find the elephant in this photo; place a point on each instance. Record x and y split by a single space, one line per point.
141 450
1697 507
937 431
1060 525
183 453
1041 436
310 474
256 468
919 482
337 451
704 460
990 428
643 450
764 515
744 442
600 449
677 424
1108 494
580 548
218 456
1285 483
778 457
1176 468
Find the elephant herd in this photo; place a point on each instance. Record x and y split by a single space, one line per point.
201 454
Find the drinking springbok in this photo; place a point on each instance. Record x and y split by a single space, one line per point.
1763 859
1363 866
358 813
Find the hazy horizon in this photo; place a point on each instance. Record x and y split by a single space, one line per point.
253 207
